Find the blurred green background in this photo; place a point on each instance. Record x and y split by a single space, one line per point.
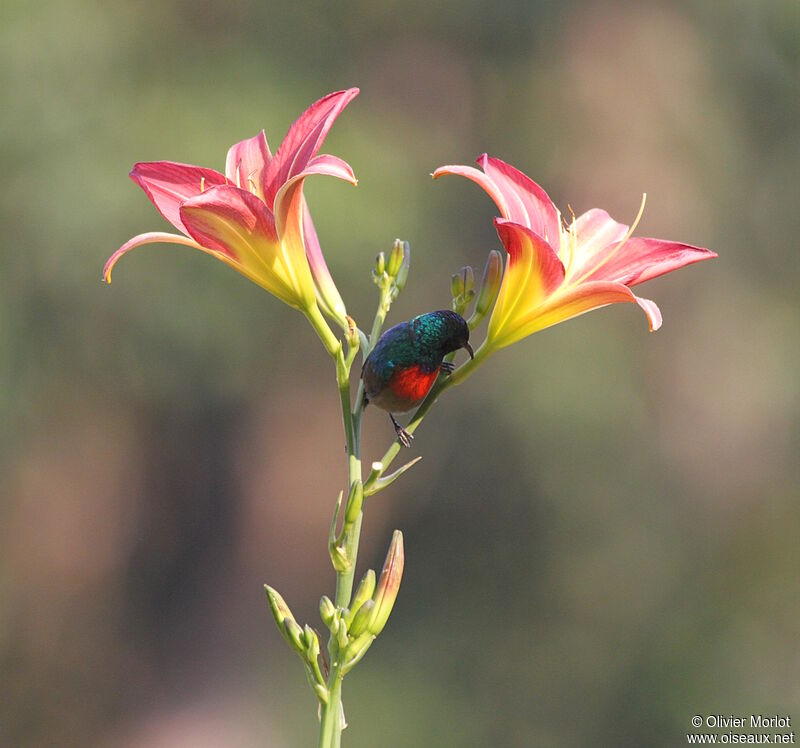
602 538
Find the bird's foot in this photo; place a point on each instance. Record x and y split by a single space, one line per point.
402 435
405 438
447 367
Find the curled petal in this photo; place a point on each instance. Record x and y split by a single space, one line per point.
640 259
533 273
650 308
152 237
332 166
246 163
572 302
238 225
168 184
482 180
527 202
285 198
304 139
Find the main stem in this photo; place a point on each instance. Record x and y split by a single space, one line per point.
332 716
330 734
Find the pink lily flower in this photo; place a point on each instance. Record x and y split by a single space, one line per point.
556 271
254 217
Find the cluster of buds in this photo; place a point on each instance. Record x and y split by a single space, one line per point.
352 629
390 274
303 639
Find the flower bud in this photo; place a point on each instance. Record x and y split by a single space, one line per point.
294 635
280 610
364 591
339 557
461 287
361 619
396 257
490 284
401 276
356 650
354 502
456 284
327 610
312 643
341 635
388 585
351 332
380 264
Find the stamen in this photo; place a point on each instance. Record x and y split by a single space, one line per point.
619 246
202 184
571 242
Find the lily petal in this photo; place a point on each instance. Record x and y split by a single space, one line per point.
304 139
640 259
246 162
533 272
528 203
151 237
297 231
328 297
290 218
650 308
237 224
168 184
332 166
572 302
285 197
482 180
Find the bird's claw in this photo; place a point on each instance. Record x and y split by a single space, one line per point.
402 435
447 367
405 438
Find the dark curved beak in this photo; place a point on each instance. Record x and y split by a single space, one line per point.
468 348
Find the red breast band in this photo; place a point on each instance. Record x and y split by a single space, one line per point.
412 383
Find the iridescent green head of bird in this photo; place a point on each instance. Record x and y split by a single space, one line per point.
435 334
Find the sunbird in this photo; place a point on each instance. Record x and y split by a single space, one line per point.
400 370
